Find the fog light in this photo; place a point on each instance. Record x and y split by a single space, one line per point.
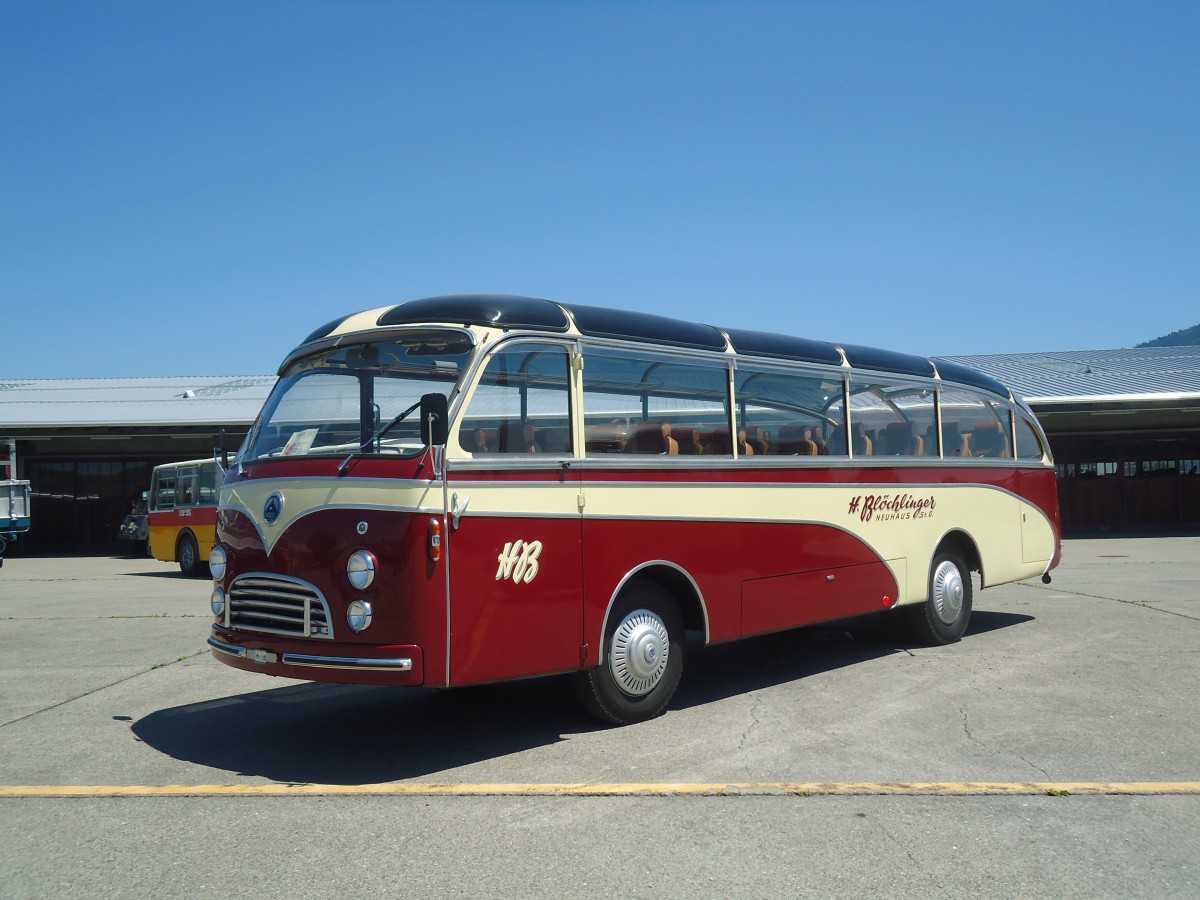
216 562
217 602
358 615
360 569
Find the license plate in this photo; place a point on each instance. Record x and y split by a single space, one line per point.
262 657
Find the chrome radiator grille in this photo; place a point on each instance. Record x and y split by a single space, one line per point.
278 604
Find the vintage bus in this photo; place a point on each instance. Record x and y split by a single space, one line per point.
182 512
466 489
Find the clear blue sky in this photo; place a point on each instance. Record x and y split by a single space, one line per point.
192 187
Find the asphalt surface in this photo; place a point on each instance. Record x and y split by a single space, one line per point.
1053 752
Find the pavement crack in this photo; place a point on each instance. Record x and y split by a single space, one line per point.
754 721
1144 604
966 727
103 687
1033 766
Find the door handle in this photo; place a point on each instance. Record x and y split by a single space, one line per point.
456 511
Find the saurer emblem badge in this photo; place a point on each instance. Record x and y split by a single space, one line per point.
273 508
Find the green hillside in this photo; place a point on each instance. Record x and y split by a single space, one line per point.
1187 337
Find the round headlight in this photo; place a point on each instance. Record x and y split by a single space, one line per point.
216 562
360 569
217 602
358 615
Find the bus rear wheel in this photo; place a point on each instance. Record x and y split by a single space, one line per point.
188 555
643 658
944 616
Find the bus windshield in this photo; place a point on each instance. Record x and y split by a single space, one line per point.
333 401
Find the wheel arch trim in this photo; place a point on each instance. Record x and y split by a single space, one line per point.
677 574
960 541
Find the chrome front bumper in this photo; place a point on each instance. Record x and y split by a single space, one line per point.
359 663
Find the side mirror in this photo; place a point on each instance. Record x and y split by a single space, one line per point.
435 420
220 453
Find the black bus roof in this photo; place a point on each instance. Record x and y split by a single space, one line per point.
511 312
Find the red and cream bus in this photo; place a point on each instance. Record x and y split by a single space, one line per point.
182 512
467 489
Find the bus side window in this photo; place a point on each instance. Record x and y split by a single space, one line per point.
164 491
973 426
209 483
653 404
185 489
1028 444
524 392
891 418
787 412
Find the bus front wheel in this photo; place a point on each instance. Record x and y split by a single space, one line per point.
944 616
188 555
643 658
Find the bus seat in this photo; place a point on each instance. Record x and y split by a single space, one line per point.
987 440
898 439
863 445
744 446
474 440
716 442
653 437
759 439
689 440
930 446
953 441
516 437
814 435
836 444
554 440
795 440
605 437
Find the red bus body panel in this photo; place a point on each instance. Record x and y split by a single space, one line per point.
752 577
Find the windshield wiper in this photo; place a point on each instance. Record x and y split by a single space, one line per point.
376 436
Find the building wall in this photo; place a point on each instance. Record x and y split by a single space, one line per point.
1120 471
83 485
1128 482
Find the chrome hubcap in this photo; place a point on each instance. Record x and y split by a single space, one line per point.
639 651
948 592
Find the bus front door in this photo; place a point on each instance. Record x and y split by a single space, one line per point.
514 547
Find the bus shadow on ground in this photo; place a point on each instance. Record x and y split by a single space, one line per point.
741 667
312 733
350 734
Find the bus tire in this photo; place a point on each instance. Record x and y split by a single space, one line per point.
188 555
944 616
635 683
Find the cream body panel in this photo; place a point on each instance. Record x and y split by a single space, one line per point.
305 496
902 525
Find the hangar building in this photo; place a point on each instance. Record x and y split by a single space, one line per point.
1124 426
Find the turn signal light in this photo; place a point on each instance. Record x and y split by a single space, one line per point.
435 540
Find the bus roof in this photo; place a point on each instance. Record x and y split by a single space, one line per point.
530 313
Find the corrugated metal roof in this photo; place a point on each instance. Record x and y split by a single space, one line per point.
198 400
1096 375
1065 376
